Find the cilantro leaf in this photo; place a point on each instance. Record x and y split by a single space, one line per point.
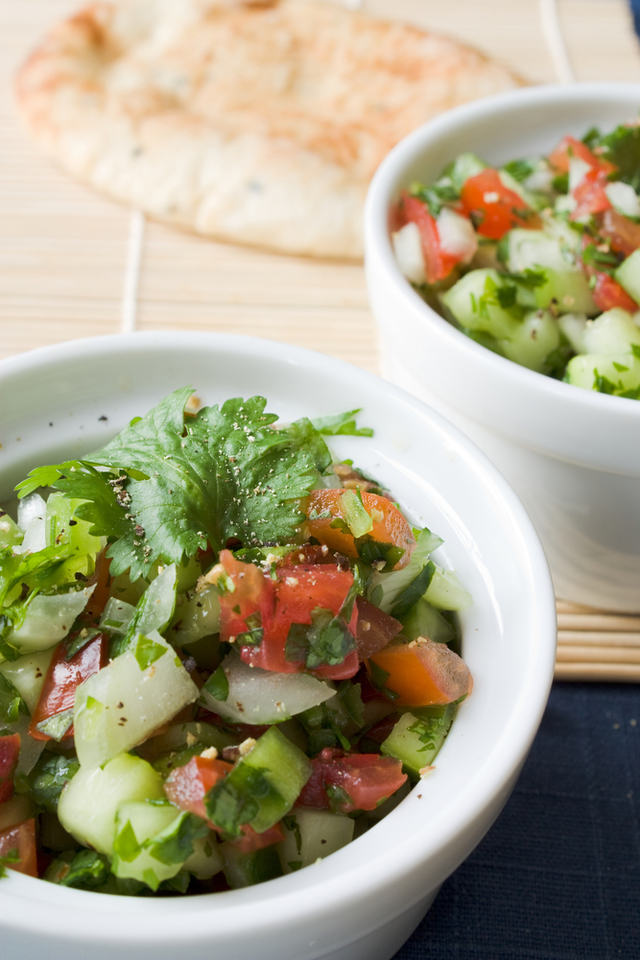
175 843
343 424
182 484
8 859
49 776
622 148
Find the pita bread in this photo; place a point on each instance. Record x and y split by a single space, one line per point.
256 122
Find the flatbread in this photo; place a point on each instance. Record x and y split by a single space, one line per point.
256 122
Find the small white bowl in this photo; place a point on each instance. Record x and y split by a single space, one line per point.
573 456
364 901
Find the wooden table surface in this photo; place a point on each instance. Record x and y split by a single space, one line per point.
67 254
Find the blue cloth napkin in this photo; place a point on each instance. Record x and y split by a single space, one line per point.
558 875
635 10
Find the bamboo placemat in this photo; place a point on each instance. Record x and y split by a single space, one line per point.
73 264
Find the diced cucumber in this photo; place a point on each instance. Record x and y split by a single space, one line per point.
311 835
445 592
247 869
123 703
27 675
537 337
205 861
423 620
607 374
138 821
611 333
262 787
568 290
415 740
628 275
573 326
88 804
197 617
473 302
48 620
154 840
259 696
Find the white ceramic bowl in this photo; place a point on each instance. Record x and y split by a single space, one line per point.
364 901
572 456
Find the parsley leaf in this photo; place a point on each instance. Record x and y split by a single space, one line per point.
435 196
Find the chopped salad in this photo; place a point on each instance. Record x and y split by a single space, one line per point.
538 260
222 654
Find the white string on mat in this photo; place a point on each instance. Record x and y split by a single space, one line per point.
554 36
129 317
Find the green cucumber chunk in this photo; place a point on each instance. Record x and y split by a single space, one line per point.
474 303
311 835
417 737
617 375
88 804
628 275
261 788
153 841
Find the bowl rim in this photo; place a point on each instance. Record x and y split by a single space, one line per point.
263 908
576 402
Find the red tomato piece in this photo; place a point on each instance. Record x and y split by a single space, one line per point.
607 294
366 778
186 786
590 194
324 507
570 147
9 756
622 233
250 841
21 840
64 676
253 594
438 263
299 590
494 207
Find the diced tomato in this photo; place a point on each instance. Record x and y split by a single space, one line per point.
9 756
366 778
64 676
438 263
590 194
422 673
250 841
607 294
186 786
21 840
569 147
493 207
314 553
622 233
389 525
253 596
299 590
375 628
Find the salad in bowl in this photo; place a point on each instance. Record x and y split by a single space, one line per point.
272 620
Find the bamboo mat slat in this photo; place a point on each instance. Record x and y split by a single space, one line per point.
65 251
